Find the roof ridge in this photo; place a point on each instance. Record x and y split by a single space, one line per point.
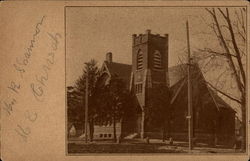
117 63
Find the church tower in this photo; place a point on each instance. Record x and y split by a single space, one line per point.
149 68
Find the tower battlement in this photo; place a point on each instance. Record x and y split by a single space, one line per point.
147 36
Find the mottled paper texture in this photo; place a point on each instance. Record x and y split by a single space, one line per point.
34 73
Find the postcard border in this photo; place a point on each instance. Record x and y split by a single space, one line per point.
158 154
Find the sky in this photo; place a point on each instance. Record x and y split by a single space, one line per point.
91 32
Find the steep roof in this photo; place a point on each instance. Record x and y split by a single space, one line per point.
176 73
220 102
177 79
119 69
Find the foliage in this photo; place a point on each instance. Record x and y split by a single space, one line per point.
92 72
107 103
74 103
116 101
76 96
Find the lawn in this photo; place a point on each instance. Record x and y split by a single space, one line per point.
120 148
136 146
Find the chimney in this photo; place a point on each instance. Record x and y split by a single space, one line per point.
109 57
148 31
134 37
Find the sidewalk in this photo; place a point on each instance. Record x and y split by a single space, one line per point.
140 146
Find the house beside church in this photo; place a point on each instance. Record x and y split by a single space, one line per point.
213 118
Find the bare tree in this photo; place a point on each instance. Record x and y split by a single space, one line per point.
229 28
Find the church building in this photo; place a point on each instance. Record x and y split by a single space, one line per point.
213 117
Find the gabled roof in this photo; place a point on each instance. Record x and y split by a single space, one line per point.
220 102
177 79
176 73
119 69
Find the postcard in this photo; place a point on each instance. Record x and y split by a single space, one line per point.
124 80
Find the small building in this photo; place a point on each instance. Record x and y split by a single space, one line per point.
104 132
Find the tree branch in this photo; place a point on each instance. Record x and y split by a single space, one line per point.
218 90
223 93
220 76
224 45
212 13
236 48
215 52
223 14
242 17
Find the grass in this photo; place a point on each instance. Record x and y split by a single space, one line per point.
138 146
119 148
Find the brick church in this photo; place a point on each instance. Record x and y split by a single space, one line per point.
213 118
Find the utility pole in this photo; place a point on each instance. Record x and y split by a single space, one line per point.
86 107
190 111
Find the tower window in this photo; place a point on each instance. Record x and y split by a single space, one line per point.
139 60
157 60
138 88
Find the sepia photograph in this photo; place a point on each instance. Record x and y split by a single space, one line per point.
156 79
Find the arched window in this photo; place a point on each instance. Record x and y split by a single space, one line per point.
157 60
139 59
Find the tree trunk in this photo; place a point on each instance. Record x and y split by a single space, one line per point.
169 128
142 124
91 129
215 137
164 132
243 108
114 126
122 131
169 124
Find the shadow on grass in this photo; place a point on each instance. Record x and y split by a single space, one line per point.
119 148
